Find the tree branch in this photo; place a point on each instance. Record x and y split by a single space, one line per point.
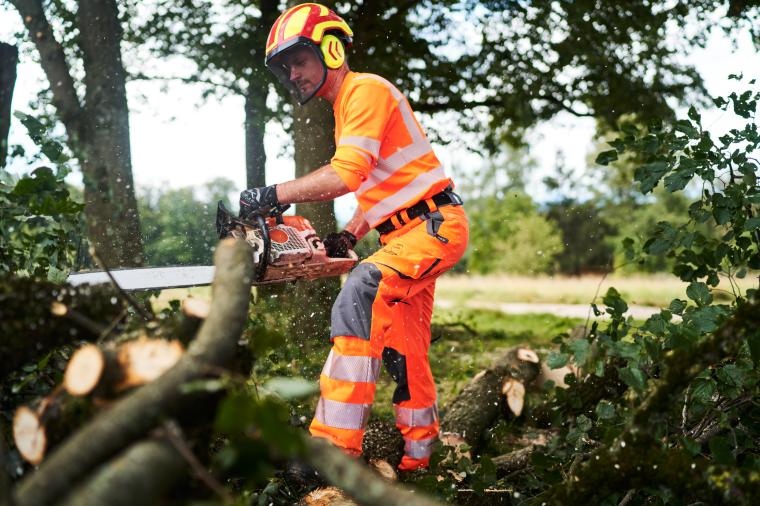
356 480
133 416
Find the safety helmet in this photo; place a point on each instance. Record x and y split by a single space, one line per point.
309 30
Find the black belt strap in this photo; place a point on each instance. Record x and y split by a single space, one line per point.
444 198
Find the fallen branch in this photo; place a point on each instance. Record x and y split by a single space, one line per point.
144 471
479 404
356 480
132 417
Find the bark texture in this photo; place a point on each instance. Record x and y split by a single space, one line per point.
362 484
139 475
8 62
98 127
132 417
479 404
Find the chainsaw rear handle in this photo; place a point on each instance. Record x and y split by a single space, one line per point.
225 222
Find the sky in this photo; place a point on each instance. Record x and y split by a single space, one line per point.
179 140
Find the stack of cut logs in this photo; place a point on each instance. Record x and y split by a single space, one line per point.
96 375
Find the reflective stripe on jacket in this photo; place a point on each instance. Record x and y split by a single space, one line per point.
382 153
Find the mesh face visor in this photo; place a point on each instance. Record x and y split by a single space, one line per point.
300 68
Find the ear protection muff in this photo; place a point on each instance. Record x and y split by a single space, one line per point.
333 51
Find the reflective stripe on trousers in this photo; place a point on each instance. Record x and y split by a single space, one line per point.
383 314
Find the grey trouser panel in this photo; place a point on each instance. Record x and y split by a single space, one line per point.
352 311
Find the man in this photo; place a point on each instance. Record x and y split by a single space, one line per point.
383 311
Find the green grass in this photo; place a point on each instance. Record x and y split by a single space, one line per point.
456 354
647 290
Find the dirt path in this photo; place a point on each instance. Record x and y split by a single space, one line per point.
566 310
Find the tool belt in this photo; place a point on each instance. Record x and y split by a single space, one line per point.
445 198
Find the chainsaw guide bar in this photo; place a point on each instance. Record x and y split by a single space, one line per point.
285 248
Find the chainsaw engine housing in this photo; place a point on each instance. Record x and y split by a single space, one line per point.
295 250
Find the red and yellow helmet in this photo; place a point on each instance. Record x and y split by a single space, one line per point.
307 26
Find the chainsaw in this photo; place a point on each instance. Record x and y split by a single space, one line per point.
285 248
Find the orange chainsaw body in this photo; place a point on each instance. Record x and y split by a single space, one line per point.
296 252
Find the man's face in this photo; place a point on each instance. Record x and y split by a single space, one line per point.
304 70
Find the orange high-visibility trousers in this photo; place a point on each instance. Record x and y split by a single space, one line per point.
382 315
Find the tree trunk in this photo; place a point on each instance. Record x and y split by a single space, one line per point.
8 62
110 203
313 133
255 123
98 132
130 418
141 474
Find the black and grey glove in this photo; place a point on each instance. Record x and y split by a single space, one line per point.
263 198
338 244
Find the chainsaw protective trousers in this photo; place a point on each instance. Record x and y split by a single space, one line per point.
382 315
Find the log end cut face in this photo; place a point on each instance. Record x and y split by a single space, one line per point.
84 370
29 435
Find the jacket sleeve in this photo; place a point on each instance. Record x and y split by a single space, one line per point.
366 115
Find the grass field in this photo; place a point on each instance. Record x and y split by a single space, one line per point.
649 290
646 290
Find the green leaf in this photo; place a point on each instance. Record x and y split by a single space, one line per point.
691 446
616 306
699 292
678 179
694 115
721 451
650 174
752 224
685 126
605 410
556 360
633 377
677 306
291 388
606 157
580 349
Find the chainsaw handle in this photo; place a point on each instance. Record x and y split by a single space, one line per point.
261 269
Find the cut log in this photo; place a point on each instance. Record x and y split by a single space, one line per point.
131 417
139 475
40 427
105 372
480 402
327 496
25 318
29 435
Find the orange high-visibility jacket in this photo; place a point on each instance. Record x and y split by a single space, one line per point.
382 153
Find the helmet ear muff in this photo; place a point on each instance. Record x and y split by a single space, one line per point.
333 51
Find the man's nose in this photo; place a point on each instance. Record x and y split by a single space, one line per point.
294 74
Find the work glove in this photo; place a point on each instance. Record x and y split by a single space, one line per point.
260 199
338 244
